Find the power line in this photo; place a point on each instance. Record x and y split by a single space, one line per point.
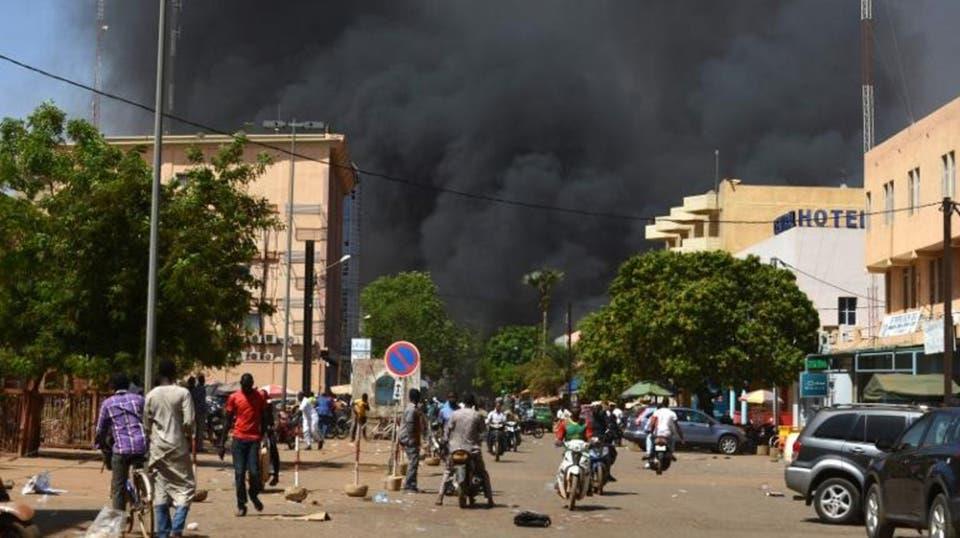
401 180
822 281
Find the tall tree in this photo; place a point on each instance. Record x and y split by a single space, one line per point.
544 281
74 221
695 318
407 306
504 356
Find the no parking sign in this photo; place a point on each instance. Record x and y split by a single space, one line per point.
402 359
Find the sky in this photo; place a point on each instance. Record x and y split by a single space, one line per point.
606 105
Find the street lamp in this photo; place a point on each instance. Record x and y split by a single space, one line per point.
293 125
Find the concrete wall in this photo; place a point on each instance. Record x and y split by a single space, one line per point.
834 256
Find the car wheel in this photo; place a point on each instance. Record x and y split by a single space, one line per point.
728 445
874 518
837 501
940 521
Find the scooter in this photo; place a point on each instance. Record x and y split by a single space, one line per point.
662 456
600 457
16 519
497 441
573 477
466 481
513 435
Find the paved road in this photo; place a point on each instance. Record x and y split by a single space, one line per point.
702 495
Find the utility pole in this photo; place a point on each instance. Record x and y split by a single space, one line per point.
151 343
570 352
307 315
946 278
276 125
98 63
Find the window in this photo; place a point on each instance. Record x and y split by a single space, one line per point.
836 427
933 274
948 182
908 282
911 437
698 418
873 428
866 215
888 203
913 190
847 310
941 429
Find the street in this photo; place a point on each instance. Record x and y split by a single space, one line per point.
702 494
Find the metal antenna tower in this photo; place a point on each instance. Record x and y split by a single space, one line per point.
867 97
98 64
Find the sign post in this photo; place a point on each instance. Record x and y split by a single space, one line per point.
402 360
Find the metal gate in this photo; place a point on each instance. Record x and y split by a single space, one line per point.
11 408
68 419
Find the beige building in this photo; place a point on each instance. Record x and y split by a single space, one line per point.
319 191
741 215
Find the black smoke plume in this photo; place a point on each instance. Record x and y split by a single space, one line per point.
604 105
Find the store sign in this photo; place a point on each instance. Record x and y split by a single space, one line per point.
817 363
819 218
900 324
813 385
933 335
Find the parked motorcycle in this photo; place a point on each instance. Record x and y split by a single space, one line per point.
662 457
215 420
289 428
467 483
497 441
437 446
600 462
512 434
573 477
16 519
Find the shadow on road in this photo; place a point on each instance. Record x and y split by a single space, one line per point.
617 493
51 521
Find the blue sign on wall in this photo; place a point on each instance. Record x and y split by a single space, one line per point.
819 218
813 385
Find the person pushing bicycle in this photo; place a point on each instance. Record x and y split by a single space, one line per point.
120 435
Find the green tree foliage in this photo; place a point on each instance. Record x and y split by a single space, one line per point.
74 233
504 356
694 317
546 372
407 306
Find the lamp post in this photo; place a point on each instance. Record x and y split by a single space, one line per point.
308 313
276 125
151 329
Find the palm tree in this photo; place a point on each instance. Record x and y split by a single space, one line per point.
543 280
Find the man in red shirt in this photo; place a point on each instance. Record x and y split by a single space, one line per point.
244 412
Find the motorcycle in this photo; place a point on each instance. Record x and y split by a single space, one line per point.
573 477
600 463
215 420
467 483
662 456
530 426
497 441
513 436
16 519
437 446
289 428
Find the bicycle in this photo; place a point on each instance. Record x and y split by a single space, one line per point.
139 489
384 429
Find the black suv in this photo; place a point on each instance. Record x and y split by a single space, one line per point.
833 452
915 482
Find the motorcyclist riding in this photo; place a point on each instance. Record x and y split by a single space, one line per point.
464 431
602 426
496 418
663 423
573 427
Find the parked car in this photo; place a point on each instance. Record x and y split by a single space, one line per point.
833 453
632 431
699 430
914 482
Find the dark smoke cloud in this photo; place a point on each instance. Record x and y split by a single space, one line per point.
604 105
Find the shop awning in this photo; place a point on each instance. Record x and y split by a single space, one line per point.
905 387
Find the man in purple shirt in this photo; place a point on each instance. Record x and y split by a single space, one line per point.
121 425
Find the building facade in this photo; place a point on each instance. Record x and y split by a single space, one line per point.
741 215
905 180
323 181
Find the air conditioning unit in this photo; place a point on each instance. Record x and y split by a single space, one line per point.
292 341
271 339
243 355
268 356
253 356
256 339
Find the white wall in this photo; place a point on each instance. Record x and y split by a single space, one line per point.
833 255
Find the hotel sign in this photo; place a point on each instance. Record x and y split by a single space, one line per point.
819 218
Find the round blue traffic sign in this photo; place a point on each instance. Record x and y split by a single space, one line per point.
402 359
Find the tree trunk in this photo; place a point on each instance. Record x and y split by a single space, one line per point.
30 419
543 336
